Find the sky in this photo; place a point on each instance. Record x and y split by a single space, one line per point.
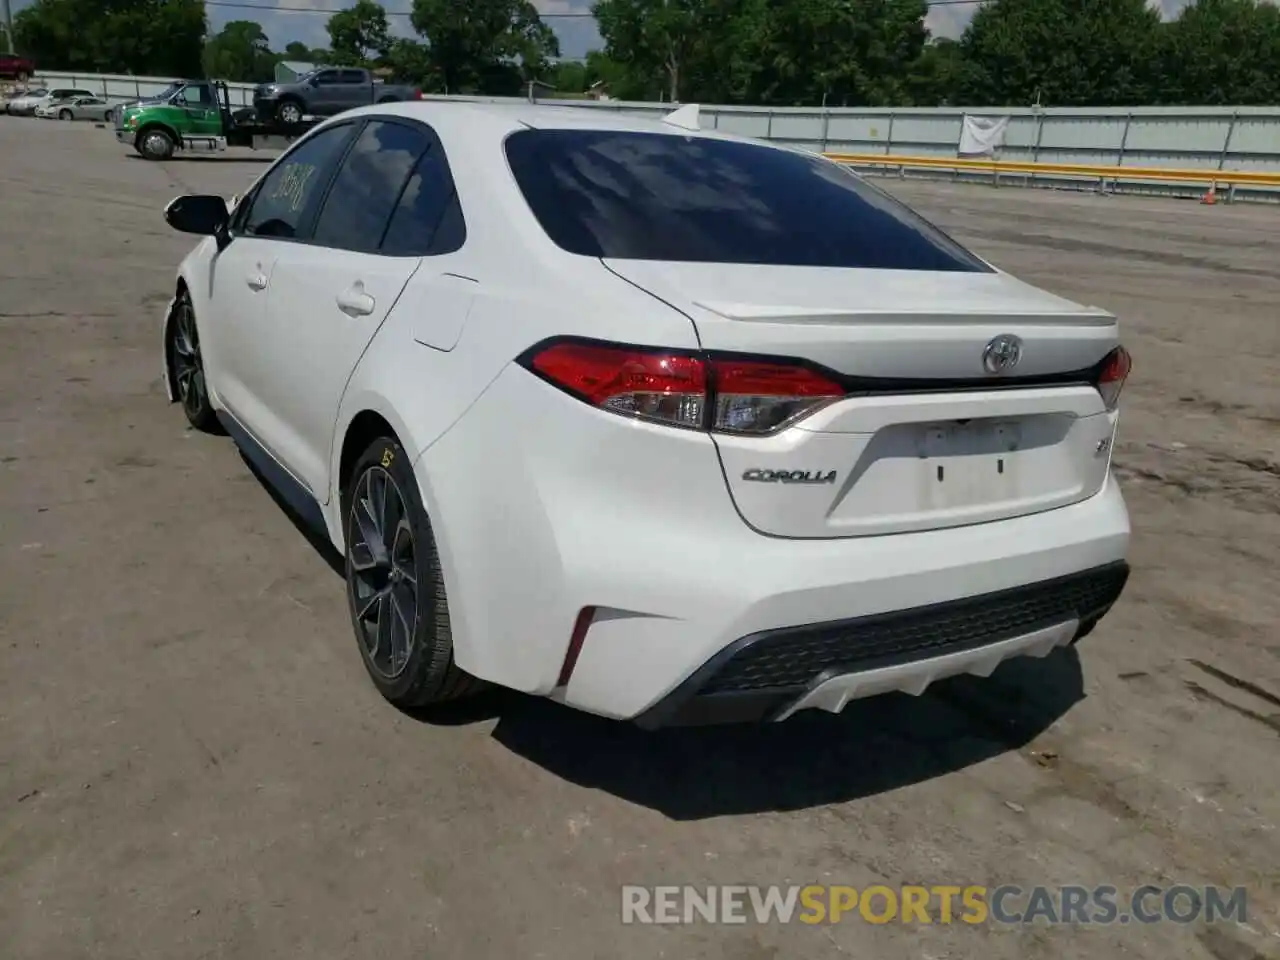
304 20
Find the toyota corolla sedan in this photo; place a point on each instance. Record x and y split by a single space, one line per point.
664 424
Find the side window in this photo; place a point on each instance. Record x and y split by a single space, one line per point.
352 76
327 77
428 218
195 96
288 196
367 187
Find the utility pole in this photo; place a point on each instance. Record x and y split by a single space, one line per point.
6 18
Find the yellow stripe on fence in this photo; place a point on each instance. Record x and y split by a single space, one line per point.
1078 170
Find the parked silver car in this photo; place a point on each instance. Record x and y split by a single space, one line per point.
77 108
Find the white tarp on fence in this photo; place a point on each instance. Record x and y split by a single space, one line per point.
982 136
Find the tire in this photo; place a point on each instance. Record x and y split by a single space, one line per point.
155 143
407 653
66 115
289 112
186 367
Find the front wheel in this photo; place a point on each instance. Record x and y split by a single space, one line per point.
395 586
65 115
155 144
186 366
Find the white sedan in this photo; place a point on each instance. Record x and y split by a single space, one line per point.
664 424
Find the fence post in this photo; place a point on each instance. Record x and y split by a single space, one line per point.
1124 138
768 125
826 128
888 143
1226 144
1035 151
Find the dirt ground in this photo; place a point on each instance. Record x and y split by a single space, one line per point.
194 764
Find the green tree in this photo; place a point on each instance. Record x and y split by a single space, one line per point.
304 54
798 52
474 45
1066 52
239 52
1222 52
410 62
156 37
939 75
854 52
570 76
358 35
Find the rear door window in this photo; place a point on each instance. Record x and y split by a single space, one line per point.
369 185
428 218
655 196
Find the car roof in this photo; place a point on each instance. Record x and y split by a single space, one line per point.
472 119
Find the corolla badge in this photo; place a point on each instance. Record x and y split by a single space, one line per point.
756 475
1002 354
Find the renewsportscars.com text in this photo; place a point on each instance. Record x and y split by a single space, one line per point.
942 904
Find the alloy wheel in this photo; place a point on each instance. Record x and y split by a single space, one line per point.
382 576
289 113
188 365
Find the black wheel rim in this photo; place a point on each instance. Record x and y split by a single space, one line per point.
290 114
188 366
382 573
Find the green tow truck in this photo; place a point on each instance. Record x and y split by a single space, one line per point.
196 116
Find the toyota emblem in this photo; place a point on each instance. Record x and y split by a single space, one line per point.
1002 354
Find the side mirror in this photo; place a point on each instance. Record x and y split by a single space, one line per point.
201 214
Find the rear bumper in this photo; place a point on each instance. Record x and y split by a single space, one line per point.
773 674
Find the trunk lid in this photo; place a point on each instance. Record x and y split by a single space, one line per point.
927 438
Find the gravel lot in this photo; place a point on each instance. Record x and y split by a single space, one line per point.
193 763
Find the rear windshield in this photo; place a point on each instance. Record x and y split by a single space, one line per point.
653 196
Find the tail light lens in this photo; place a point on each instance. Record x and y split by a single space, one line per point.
752 396
417 94
671 388
696 391
1112 375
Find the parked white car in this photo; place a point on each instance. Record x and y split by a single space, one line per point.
35 99
662 423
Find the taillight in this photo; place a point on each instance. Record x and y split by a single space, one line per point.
696 391
417 94
754 396
1112 374
668 387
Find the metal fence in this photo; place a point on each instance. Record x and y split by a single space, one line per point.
1189 138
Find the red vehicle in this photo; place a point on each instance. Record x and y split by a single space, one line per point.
14 67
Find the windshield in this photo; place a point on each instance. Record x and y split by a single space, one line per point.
167 92
655 196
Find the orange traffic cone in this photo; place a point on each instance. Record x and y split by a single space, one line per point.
1212 196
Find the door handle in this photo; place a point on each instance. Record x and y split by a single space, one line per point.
354 302
257 280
